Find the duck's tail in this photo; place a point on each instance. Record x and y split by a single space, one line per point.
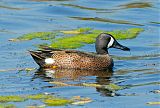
38 57
41 55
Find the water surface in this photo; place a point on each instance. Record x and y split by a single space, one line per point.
138 68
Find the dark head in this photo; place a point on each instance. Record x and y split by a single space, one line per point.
105 41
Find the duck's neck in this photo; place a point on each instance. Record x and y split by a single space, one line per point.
101 50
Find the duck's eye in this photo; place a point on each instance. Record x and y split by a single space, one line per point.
110 42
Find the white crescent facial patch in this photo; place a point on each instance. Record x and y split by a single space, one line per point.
49 61
110 42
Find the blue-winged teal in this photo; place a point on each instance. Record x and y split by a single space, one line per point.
72 59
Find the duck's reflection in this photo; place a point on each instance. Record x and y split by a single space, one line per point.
78 77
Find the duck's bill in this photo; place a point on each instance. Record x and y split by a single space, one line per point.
119 46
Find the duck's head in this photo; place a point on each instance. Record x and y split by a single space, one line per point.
105 41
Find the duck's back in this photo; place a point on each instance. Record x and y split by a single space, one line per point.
81 60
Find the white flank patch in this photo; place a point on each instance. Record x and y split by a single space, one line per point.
49 61
110 42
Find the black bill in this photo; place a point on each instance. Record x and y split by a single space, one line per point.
119 46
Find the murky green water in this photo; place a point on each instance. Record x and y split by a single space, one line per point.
138 68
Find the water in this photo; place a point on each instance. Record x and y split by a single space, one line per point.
138 68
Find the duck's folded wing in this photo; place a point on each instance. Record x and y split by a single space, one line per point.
81 53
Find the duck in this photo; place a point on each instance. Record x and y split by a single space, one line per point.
53 58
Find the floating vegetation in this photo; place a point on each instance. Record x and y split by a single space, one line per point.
7 105
155 44
76 31
106 20
59 83
155 22
153 103
57 102
136 5
80 40
40 35
48 100
81 101
83 7
144 84
12 99
18 69
110 87
77 38
12 8
39 96
126 34
74 41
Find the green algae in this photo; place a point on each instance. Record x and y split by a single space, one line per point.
76 38
126 34
48 100
7 106
76 31
15 98
74 41
39 96
41 35
12 99
153 103
57 102
113 87
80 40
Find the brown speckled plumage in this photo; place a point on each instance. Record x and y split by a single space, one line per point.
71 59
77 60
